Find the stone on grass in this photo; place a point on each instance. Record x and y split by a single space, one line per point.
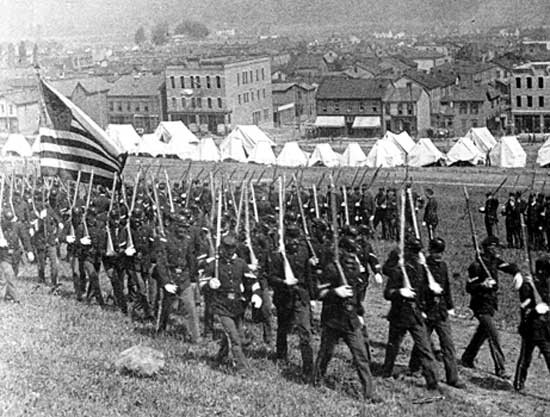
140 361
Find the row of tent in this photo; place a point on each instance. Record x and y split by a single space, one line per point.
249 143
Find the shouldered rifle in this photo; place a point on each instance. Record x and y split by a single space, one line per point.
363 175
248 239
254 205
345 203
540 306
335 240
406 280
87 206
474 235
12 186
240 207
3 242
71 236
218 236
159 212
304 224
169 188
316 202
432 283
290 278
500 186
321 180
110 247
354 178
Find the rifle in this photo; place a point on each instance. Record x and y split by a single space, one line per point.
321 180
110 247
354 178
3 241
345 203
540 306
159 213
87 206
371 182
304 225
231 175
248 239
260 177
239 210
11 195
406 280
474 235
365 174
71 235
254 205
185 172
500 186
218 236
290 278
335 239
432 283
169 187
338 173
316 202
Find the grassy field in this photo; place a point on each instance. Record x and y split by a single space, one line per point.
57 354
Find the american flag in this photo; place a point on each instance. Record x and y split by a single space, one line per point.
71 142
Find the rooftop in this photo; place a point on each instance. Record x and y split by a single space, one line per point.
92 85
22 97
343 88
403 94
138 86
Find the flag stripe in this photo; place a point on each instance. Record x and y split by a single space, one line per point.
72 146
59 167
89 136
79 159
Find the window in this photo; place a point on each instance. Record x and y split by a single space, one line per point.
266 114
208 81
256 117
375 109
220 102
198 81
193 102
263 74
119 107
410 108
239 98
111 107
400 108
336 107
257 75
146 107
183 103
518 82
252 95
324 107
251 76
258 94
238 79
199 102
541 101
138 108
209 101
182 82
219 81
529 101
174 103
192 81
518 101
263 92
128 106
245 77
173 81
541 82
529 82
474 122
463 109
474 108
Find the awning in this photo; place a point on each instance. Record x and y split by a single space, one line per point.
285 107
330 121
366 122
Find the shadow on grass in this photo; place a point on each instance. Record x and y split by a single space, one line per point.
490 383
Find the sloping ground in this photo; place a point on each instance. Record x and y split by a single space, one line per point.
57 355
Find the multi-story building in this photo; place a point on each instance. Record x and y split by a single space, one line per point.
300 97
530 97
19 112
469 74
352 107
218 94
139 100
407 109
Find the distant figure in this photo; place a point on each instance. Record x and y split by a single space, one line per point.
430 213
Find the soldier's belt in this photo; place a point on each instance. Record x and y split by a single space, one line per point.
231 295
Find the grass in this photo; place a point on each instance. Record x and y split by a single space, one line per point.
57 354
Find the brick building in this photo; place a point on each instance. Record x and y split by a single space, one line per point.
218 94
300 97
139 100
530 97
19 112
407 109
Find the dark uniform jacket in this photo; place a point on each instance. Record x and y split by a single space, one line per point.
176 262
437 306
534 326
15 234
485 300
430 212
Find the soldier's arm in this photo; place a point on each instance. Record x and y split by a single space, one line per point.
394 284
506 267
447 288
24 236
475 281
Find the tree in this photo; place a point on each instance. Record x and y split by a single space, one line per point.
139 36
159 33
193 29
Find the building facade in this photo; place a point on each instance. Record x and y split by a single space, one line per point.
139 100
530 97
407 109
215 95
20 112
298 96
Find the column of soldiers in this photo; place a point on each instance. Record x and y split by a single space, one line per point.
161 247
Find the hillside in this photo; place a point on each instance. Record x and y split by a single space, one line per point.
78 17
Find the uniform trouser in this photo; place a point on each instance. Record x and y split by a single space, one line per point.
208 315
356 344
431 230
7 282
185 305
231 339
380 217
266 312
489 225
15 261
42 255
419 335
486 330
117 283
525 356
79 277
297 315
445 334
93 281
136 282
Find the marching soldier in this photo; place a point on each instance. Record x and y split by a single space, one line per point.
490 209
292 295
431 219
534 323
380 212
483 286
227 298
407 313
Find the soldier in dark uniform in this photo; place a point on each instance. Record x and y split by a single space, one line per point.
392 215
431 219
111 261
227 298
15 235
438 308
490 209
483 286
342 316
534 325
513 222
407 313
292 295
367 208
380 212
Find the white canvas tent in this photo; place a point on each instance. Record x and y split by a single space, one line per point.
207 150
543 155
150 145
35 148
403 142
354 156
324 155
482 138
263 154
386 154
464 151
249 135
232 148
508 153
179 139
292 156
425 153
18 145
126 136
